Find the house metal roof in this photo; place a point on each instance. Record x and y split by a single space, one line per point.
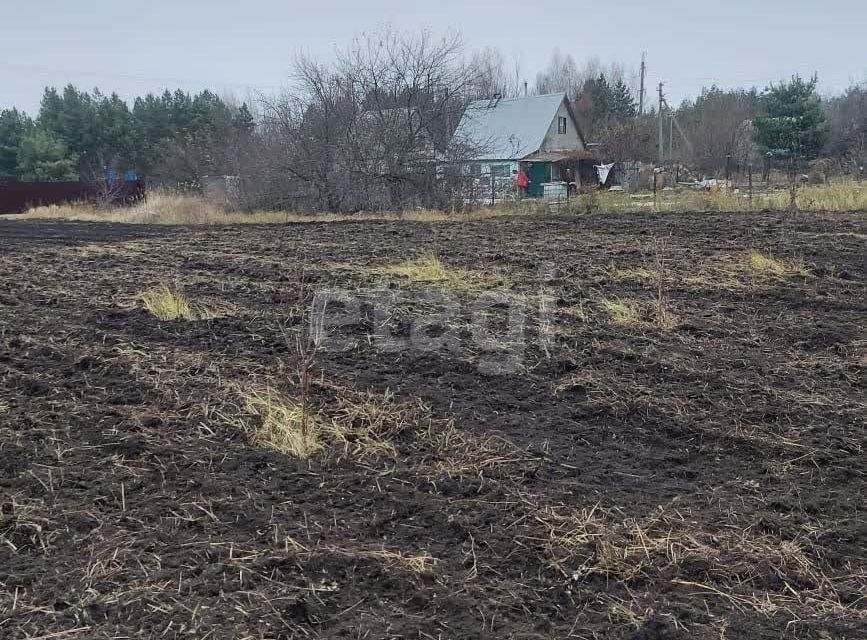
508 129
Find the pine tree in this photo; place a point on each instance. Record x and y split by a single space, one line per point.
14 125
792 120
42 157
243 119
622 103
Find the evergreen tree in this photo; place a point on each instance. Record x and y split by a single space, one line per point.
42 157
622 103
117 135
14 125
243 120
792 119
601 97
72 118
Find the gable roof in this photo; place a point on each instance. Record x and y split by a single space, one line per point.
510 128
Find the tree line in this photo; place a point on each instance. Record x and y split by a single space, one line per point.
79 135
373 127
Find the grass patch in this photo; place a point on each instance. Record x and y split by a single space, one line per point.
282 425
766 264
629 313
580 311
623 312
360 424
166 304
366 423
429 269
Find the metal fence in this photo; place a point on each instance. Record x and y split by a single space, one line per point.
16 197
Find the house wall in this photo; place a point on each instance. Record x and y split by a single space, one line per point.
483 168
562 141
512 167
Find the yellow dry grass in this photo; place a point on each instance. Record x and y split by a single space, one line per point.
768 265
580 311
630 313
429 269
282 425
361 423
176 209
167 304
623 312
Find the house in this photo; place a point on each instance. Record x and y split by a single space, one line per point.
536 134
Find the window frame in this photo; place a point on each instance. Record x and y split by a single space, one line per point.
562 125
500 170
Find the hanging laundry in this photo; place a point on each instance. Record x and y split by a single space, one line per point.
602 170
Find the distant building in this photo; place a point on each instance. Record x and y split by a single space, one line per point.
535 134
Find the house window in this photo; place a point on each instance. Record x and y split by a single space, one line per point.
500 170
561 125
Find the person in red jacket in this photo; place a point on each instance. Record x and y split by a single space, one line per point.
522 181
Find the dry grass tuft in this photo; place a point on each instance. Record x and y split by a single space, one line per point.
419 564
580 311
623 312
166 304
282 425
366 423
628 313
459 453
362 424
429 269
766 264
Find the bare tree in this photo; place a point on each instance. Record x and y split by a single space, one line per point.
847 128
561 74
490 75
372 130
718 125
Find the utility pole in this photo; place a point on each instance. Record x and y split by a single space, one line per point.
641 92
661 129
671 136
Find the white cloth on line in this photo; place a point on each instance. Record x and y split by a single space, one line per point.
602 170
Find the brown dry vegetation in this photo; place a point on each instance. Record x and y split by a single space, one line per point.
174 209
587 478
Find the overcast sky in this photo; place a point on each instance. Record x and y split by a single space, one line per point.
245 48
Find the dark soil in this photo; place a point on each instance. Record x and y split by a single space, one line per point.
560 477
